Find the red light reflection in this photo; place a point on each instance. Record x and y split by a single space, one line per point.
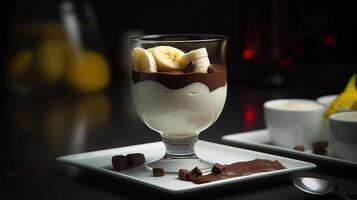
249 116
247 54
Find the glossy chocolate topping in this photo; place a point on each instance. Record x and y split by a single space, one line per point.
241 169
178 79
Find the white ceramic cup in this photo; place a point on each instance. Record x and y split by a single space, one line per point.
343 136
293 122
326 102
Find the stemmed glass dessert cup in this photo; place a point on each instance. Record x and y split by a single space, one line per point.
179 87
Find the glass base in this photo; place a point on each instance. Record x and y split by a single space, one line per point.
180 154
174 165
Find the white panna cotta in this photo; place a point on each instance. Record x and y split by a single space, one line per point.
178 113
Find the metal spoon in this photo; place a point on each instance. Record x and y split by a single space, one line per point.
317 186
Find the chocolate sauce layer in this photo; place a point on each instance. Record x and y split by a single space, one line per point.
241 169
178 79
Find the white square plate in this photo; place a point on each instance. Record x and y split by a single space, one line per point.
260 140
100 161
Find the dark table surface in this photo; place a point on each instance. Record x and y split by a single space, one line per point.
39 128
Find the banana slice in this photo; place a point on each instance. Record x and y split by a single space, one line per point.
151 50
143 60
196 54
169 58
202 65
346 99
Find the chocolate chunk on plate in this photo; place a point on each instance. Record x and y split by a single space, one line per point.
319 147
120 162
157 172
184 174
299 148
194 173
135 159
218 168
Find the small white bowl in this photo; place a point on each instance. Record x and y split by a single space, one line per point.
326 100
343 136
292 122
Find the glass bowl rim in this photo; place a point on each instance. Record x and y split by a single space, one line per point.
156 38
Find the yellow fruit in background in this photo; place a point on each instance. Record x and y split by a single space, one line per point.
345 100
88 72
51 59
354 105
20 65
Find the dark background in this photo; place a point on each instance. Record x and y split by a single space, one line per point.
271 43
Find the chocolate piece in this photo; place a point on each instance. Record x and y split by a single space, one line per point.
194 173
218 168
178 79
319 147
120 162
135 159
157 172
184 174
211 69
299 148
189 68
241 169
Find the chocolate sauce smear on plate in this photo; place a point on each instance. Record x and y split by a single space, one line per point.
178 79
240 169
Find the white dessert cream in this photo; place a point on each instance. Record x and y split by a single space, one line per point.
180 112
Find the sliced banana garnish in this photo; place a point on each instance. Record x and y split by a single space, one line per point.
200 58
202 65
169 58
196 54
151 50
143 60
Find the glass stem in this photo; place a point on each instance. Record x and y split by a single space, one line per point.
180 148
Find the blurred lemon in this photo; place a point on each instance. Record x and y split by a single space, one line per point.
346 99
20 65
88 72
93 110
51 58
354 105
